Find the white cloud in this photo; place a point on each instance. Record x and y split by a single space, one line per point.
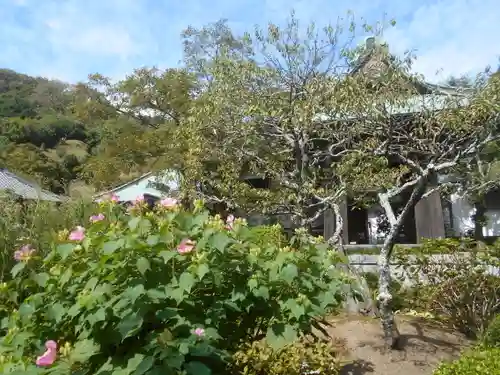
455 36
70 39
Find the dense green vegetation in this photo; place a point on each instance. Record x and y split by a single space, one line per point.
273 106
165 291
69 139
39 135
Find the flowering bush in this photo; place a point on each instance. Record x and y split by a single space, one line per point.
160 291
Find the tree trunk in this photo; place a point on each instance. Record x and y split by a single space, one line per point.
389 327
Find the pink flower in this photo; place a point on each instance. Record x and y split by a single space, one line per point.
113 198
49 357
24 253
230 222
186 246
96 218
78 234
199 332
168 202
139 199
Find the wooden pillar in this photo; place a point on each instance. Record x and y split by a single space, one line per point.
329 222
429 218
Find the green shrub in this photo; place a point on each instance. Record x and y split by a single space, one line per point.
164 291
445 246
36 223
258 358
269 234
468 302
476 362
395 288
491 337
457 288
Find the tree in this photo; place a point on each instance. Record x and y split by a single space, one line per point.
408 134
476 177
275 105
262 113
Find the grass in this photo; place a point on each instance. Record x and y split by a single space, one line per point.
36 223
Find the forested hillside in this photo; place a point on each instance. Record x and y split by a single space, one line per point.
65 137
39 135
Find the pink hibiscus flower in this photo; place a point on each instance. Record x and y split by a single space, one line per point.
78 234
96 218
168 202
50 355
24 253
230 222
199 332
186 246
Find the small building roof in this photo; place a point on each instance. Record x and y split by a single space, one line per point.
157 184
24 188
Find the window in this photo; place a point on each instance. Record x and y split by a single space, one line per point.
259 183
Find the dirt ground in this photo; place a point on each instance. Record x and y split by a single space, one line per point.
423 346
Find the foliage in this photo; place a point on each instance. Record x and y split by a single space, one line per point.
163 291
269 234
273 106
302 355
36 223
458 287
476 362
491 337
400 300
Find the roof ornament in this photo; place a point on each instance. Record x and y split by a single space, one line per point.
370 43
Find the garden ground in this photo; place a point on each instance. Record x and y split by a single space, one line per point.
423 346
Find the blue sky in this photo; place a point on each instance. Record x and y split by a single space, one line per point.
68 39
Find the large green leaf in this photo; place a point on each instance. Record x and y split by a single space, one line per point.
56 312
139 364
186 281
202 270
134 223
17 268
64 250
153 240
110 247
83 350
296 309
143 265
130 325
167 255
41 278
289 273
220 241
66 276
132 293
280 334
197 368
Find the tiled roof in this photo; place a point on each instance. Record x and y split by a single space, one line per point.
23 188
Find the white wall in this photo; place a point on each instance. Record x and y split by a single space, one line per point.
463 212
373 233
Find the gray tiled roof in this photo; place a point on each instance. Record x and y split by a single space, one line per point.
23 188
